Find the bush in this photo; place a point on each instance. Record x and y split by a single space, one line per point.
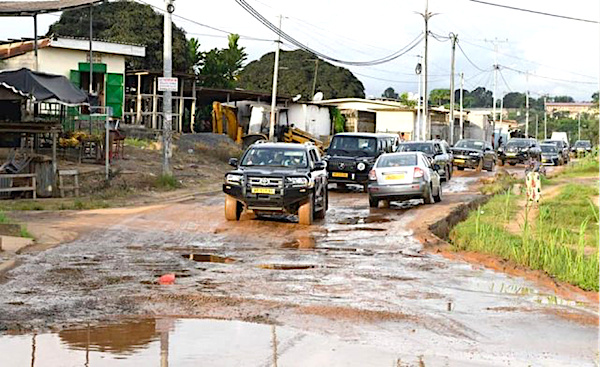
168 182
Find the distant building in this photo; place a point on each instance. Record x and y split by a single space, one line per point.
70 57
569 109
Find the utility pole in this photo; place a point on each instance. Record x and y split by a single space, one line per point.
426 16
314 88
462 81
454 38
501 109
274 92
545 120
418 129
167 73
527 106
579 126
536 125
496 68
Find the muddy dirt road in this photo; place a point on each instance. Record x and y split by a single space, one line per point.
355 289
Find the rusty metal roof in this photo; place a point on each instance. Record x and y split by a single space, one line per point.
24 8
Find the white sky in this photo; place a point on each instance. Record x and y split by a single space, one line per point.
366 30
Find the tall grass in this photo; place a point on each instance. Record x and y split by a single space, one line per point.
546 248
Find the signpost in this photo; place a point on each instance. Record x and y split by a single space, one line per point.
168 84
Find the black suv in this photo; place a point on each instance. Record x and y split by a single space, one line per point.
563 149
472 153
273 178
582 147
519 150
351 156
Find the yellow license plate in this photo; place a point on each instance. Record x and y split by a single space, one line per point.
511 154
263 190
395 177
545 160
459 160
339 174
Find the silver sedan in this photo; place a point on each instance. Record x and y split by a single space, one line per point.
404 176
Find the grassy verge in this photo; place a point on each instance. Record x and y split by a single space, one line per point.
24 232
553 243
501 183
138 143
584 167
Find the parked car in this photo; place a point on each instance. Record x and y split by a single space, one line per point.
551 155
351 156
403 176
582 147
277 178
519 150
563 149
472 153
434 150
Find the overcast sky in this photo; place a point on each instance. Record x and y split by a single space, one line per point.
546 47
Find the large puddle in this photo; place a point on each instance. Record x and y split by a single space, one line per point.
190 342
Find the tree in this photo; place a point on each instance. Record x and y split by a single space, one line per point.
439 96
514 100
595 98
194 53
564 99
481 97
219 68
390 93
296 76
406 101
127 22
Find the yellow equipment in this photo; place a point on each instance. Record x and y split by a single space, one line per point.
294 135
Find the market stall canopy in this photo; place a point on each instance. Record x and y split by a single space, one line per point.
42 87
29 8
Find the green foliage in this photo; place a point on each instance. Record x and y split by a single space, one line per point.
3 218
194 52
219 68
439 96
166 182
567 99
406 101
138 143
514 100
339 121
390 93
23 232
127 22
587 166
501 183
296 75
595 98
551 252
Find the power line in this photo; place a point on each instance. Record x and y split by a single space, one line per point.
547 77
504 80
468 59
391 80
535 12
298 44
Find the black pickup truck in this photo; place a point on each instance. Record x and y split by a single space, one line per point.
273 178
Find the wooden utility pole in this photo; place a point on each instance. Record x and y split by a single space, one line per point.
274 91
462 81
454 38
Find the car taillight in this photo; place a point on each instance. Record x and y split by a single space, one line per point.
418 173
372 175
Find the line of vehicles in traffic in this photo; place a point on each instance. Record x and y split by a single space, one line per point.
293 179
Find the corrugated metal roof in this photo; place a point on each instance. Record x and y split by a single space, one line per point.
21 8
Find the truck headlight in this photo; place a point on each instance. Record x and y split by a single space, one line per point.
298 181
361 166
474 154
233 179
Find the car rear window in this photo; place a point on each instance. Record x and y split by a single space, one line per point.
397 160
549 148
426 148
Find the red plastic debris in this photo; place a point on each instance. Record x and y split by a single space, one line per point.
167 279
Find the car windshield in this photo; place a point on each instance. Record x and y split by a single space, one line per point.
521 143
416 147
583 144
358 145
547 148
275 157
555 142
471 144
397 160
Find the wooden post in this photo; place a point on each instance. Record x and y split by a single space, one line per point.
54 161
34 184
138 105
154 105
193 112
180 108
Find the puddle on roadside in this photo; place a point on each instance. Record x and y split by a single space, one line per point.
208 258
188 342
288 266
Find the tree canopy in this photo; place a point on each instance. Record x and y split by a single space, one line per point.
296 76
390 93
219 68
127 22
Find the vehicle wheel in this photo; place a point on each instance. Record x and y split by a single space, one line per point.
305 212
233 208
491 167
512 163
501 163
451 171
321 213
373 203
461 168
437 198
446 174
365 188
428 197
479 166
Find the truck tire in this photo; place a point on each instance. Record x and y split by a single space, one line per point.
479 166
233 209
437 198
373 203
305 212
320 214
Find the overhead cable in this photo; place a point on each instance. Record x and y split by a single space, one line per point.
536 12
469 60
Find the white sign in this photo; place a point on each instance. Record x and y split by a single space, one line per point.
167 84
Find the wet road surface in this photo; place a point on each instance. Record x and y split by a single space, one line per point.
359 280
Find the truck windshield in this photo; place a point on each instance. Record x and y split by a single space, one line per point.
471 144
521 143
416 147
397 160
583 144
275 157
355 145
549 148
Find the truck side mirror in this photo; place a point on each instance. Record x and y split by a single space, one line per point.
233 162
320 165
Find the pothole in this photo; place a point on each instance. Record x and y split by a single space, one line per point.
373 229
288 266
364 220
208 258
